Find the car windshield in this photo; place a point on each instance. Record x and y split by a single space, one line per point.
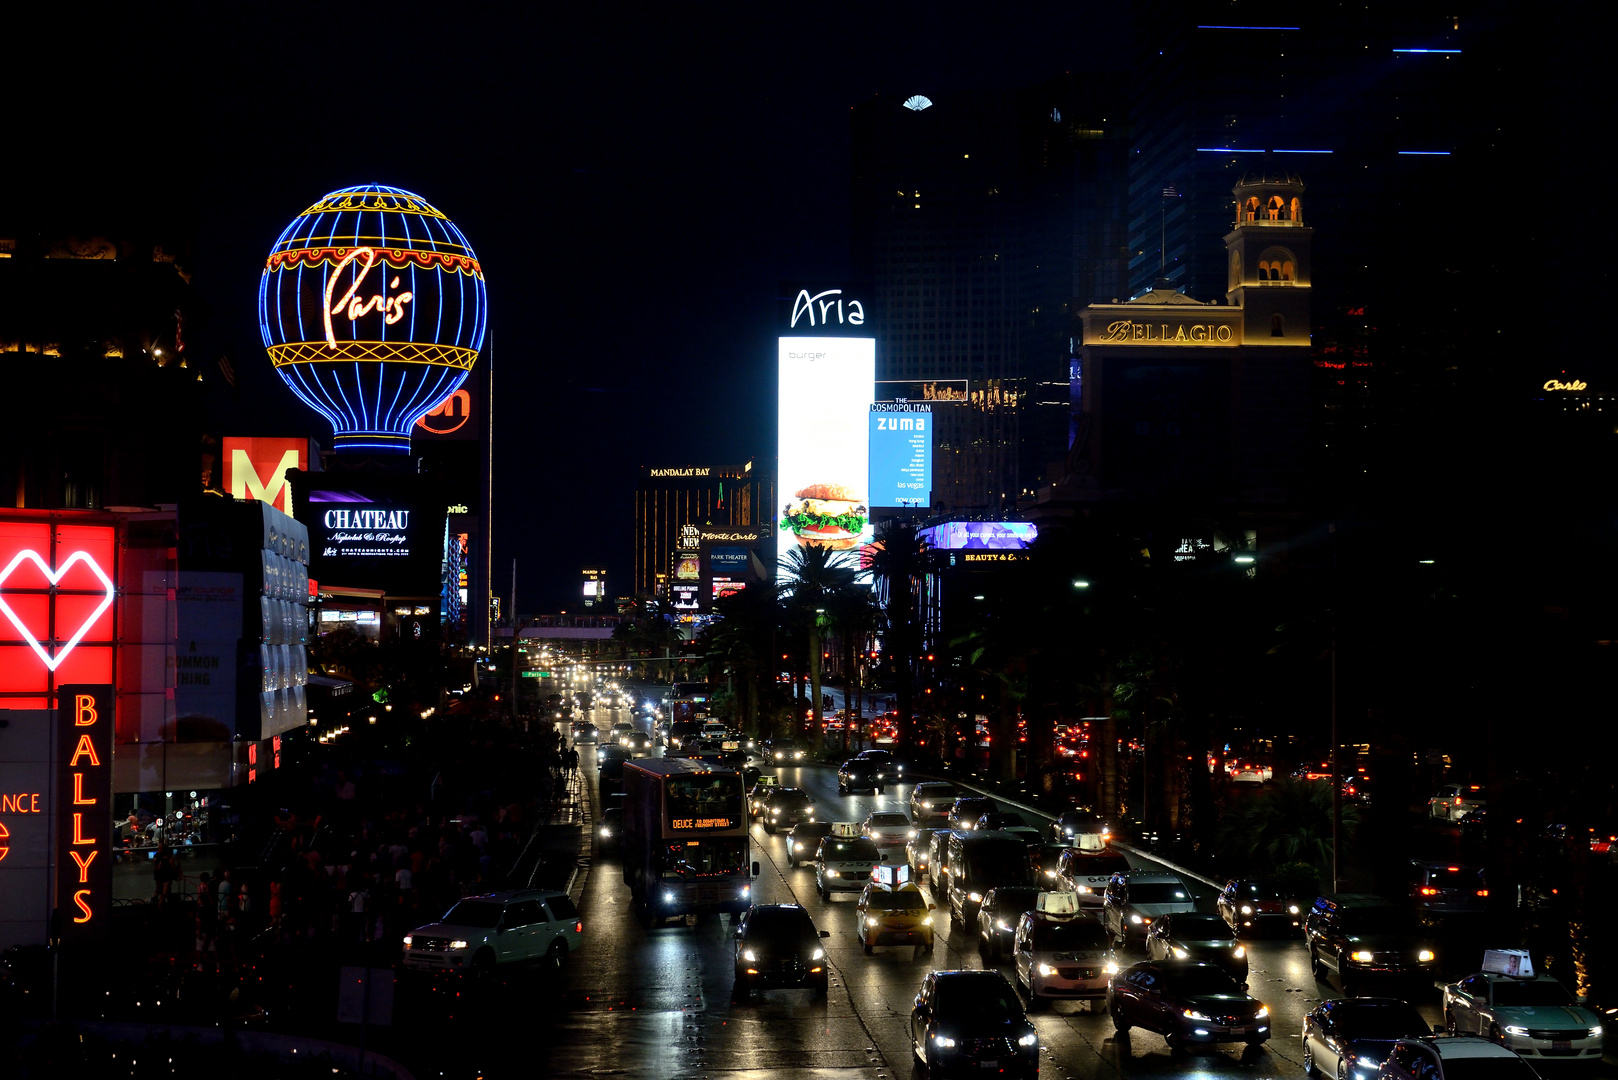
898 901
1013 902
780 927
1151 892
984 997
851 849
1377 1021
1070 936
1200 928
1203 979
1098 865
479 913
790 798
1505 1067
1258 890
1002 861
888 819
1381 921
935 791
1537 992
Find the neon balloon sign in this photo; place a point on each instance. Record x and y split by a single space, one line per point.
372 353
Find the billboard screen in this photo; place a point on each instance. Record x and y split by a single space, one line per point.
687 599
901 454
824 449
376 531
979 535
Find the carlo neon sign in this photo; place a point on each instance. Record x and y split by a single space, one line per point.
62 648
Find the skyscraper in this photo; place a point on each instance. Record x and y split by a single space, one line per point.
978 218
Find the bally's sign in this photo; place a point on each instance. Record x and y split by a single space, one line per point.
1130 332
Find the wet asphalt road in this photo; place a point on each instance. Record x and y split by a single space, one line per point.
639 1003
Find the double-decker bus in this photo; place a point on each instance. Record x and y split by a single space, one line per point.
688 701
685 849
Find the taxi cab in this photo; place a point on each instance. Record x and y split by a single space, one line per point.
1061 953
844 860
893 911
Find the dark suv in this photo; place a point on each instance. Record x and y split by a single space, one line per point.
858 773
786 808
1360 936
967 809
777 945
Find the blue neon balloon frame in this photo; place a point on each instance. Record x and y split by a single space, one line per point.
403 341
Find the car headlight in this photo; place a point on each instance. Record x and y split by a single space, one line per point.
457 945
1028 1040
833 873
1192 1014
944 1041
926 920
1001 923
1292 908
911 834
747 890
1425 956
1263 1011
1238 952
1180 954
1247 909
408 939
1594 1033
1361 956
1513 1029
818 954
1083 888
796 754
779 755
975 897
1136 919
606 832
1046 970
750 956
1112 967
797 847
668 896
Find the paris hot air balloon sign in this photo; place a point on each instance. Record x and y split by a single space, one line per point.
373 309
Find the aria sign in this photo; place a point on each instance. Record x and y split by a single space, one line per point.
57 587
829 306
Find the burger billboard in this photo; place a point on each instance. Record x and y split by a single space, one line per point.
826 387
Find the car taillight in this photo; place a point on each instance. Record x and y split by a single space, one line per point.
1428 890
578 927
1483 892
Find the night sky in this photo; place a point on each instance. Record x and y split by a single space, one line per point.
637 181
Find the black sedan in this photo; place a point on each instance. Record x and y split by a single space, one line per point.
1186 1002
1349 1039
804 840
1197 937
892 772
610 829
777 945
972 1022
999 819
998 915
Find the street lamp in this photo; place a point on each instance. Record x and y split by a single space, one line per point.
1080 583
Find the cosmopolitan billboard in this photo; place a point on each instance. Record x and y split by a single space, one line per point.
824 450
979 535
901 453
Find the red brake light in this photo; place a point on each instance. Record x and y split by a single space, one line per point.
1428 890
1483 892
578 927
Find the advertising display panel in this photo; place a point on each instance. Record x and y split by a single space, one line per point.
979 535
57 608
25 826
901 454
374 531
257 469
687 599
826 387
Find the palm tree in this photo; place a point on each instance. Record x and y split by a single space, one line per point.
647 631
1290 822
896 560
808 580
738 641
852 615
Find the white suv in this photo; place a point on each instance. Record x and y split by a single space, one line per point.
1455 801
482 932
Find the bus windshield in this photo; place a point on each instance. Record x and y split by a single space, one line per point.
704 801
697 858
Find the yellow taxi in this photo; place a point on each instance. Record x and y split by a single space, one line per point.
893 911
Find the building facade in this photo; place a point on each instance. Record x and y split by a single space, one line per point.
671 502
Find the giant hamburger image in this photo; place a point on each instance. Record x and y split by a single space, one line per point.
826 515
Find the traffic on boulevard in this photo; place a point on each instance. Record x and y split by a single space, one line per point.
779 914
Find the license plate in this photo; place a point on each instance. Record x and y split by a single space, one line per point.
989 1064
1561 1045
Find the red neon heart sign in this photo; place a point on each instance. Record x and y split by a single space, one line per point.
54 577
